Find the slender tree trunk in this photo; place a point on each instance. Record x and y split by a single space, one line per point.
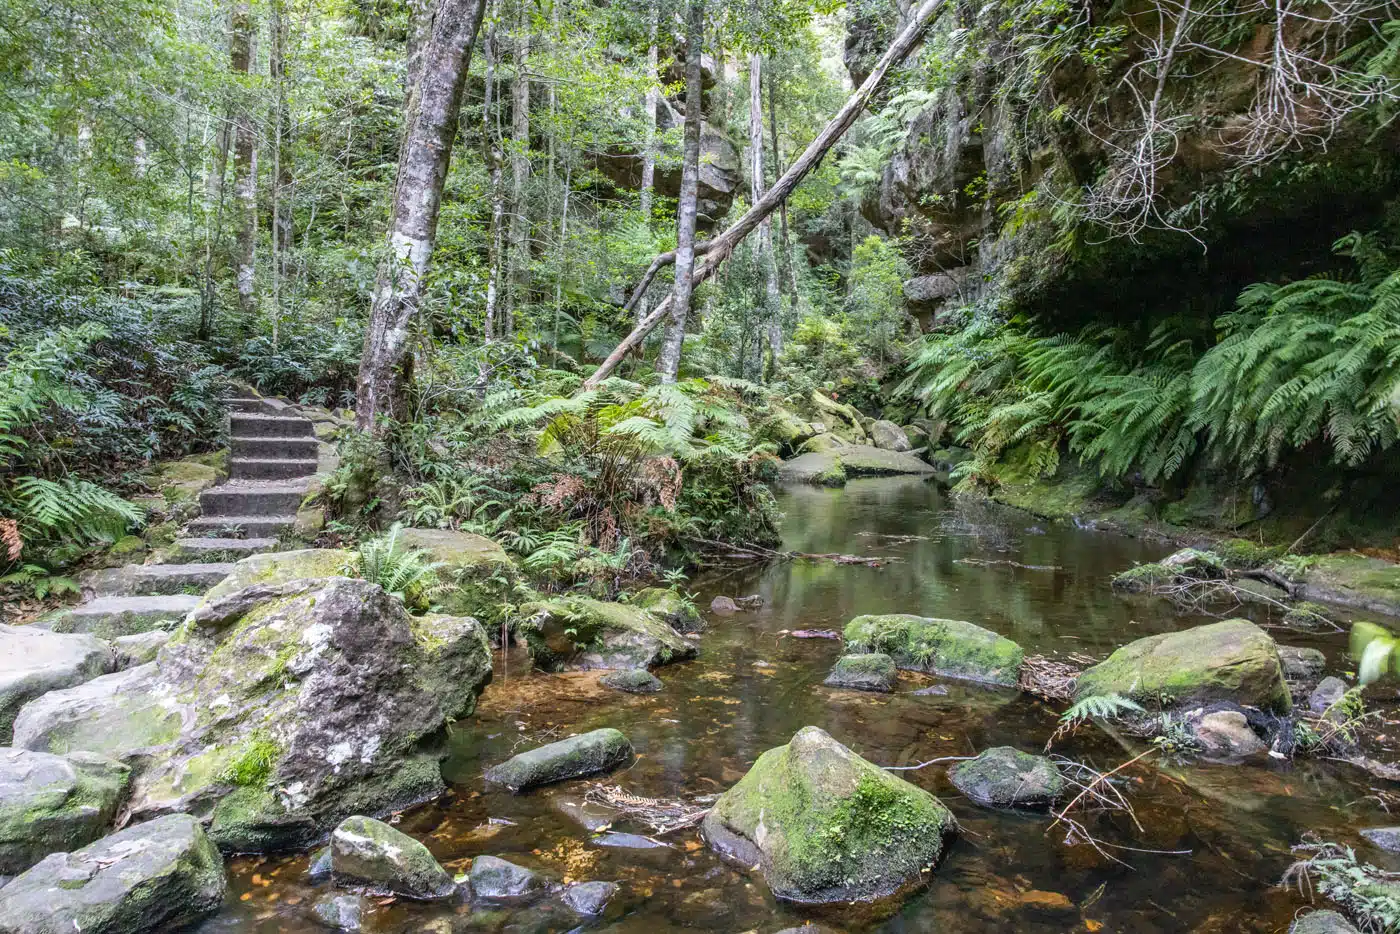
280 179
430 126
668 365
491 151
787 281
763 245
519 173
649 147
245 164
717 249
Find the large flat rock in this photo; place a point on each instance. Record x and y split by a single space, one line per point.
153 877
51 804
35 661
1354 580
856 460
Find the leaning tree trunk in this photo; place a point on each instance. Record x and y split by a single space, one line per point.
716 250
668 365
430 124
245 165
763 246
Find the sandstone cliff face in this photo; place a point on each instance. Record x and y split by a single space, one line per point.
1015 181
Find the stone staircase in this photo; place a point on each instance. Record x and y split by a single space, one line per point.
272 458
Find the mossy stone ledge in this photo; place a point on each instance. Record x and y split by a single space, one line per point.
51 804
1233 660
951 648
585 754
825 825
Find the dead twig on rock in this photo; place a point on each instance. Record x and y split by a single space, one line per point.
1052 679
662 815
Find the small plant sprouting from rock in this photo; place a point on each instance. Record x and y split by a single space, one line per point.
403 572
254 763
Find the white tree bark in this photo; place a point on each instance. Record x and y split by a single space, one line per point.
434 105
763 245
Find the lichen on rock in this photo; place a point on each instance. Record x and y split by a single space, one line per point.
584 634
948 647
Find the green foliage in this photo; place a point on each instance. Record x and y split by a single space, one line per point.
254 762
1369 895
1374 648
1102 706
406 573
70 510
1310 363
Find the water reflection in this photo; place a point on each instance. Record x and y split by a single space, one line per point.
1045 585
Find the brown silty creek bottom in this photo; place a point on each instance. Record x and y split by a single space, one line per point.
752 687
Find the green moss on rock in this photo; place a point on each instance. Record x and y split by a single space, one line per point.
1232 660
279 567
675 610
825 825
1005 777
584 634
480 575
873 672
1354 580
948 647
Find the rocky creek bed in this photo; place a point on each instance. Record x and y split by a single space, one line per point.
1225 830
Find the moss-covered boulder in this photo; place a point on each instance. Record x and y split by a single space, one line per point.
853 460
631 681
948 647
824 825
279 567
888 436
1233 660
1354 580
872 672
674 609
785 428
583 634
35 661
585 754
823 443
180 482
278 710
838 417
1004 777
369 853
480 573
50 804
157 876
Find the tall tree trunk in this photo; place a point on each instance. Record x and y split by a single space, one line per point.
280 179
245 164
787 280
519 172
668 365
649 146
491 151
717 249
430 125
763 245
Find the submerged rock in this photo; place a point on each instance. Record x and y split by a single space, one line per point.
1004 777
724 606
586 754
589 899
157 876
339 912
50 804
632 681
1233 660
589 816
495 880
825 825
581 634
873 672
948 647
279 710
36 661
672 608
372 854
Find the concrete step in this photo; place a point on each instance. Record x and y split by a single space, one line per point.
110 617
250 404
269 468
141 580
302 448
253 498
247 425
200 550
250 526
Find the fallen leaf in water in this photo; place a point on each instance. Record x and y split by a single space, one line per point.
1093 925
692 845
245 896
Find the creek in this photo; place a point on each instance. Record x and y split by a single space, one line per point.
1229 827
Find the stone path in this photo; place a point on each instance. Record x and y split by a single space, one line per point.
272 458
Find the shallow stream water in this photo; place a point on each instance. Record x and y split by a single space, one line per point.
1227 830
